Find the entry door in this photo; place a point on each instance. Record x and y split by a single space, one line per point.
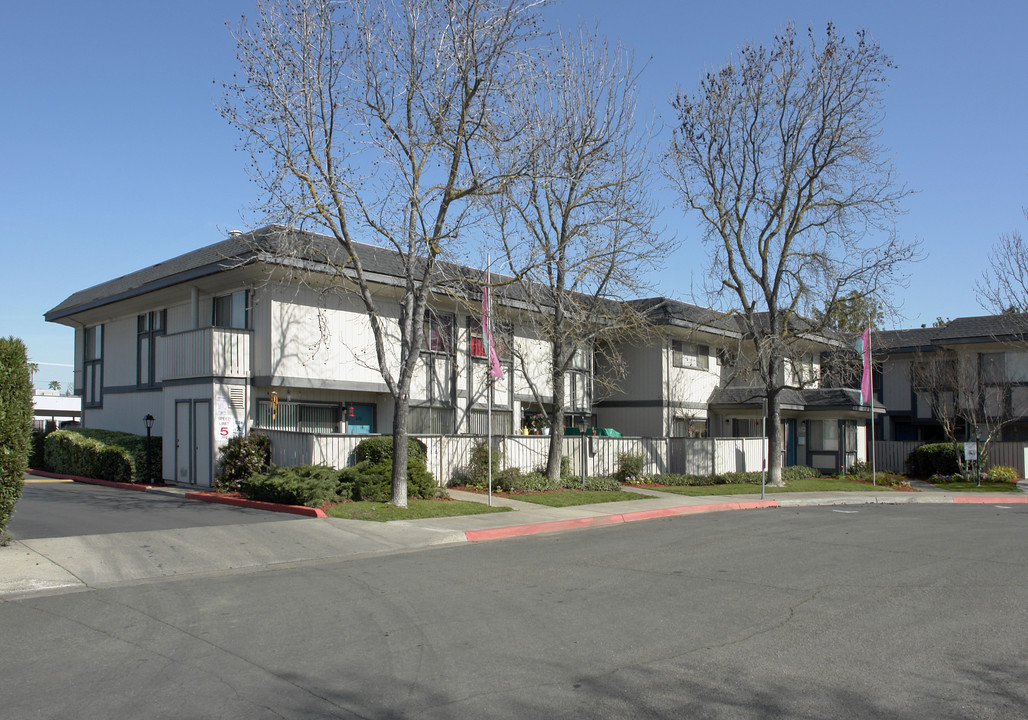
790 442
360 419
193 442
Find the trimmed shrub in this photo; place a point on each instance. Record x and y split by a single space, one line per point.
935 459
241 457
373 481
307 485
15 423
380 449
800 472
36 457
104 454
630 468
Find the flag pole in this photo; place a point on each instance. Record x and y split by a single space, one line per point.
489 376
870 374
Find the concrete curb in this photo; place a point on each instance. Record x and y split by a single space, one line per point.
598 520
256 504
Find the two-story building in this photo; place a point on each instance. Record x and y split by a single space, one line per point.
974 369
695 378
224 339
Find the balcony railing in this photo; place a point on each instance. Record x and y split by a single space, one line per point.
207 352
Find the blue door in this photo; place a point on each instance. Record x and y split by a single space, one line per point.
790 442
360 419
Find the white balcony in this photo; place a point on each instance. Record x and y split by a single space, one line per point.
204 353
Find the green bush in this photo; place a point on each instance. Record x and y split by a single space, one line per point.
630 468
479 467
15 423
241 457
307 485
380 449
37 457
800 472
103 454
373 481
1002 473
935 459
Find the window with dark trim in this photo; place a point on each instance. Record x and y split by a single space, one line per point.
148 327
476 343
93 366
231 311
690 355
438 334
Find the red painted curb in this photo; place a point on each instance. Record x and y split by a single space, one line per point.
256 504
535 528
997 499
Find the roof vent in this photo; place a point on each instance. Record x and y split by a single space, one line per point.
235 233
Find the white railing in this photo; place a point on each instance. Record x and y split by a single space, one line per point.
207 352
451 455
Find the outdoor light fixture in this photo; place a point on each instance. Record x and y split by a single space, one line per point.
351 414
148 421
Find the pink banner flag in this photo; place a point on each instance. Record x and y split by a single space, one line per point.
865 378
495 369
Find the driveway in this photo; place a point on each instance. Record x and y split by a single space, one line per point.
60 508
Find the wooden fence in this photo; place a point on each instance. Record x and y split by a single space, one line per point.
450 455
891 456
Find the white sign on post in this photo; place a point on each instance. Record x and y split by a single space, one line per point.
970 451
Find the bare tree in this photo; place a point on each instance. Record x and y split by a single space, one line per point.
968 393
368 120
576 222
777 154
1003 287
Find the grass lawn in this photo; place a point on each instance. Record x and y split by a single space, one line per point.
415 510
825 484
567 498
1004 487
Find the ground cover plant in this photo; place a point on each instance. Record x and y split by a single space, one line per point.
747 486
415 510
571 497
996 479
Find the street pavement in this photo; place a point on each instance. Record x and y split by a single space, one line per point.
50 565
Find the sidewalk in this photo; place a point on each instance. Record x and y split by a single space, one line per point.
49 565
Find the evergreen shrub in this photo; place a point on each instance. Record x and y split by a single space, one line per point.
241 457
102 454
935 459
15 423
307 485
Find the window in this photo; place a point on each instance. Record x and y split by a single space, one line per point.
579 361
299 417
688 427
231 311
476 343
430 421
92 366
438 335
690 355
824 435
148 327
994 368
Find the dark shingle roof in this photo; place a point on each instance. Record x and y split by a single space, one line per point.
985 328
808 399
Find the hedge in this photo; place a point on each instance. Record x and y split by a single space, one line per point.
934 459
15 423
102 454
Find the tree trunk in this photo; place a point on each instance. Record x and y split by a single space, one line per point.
556 417
398 495
774 440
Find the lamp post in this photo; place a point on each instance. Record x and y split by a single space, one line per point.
581 431
148 421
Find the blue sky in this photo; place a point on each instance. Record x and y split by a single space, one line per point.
114 157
